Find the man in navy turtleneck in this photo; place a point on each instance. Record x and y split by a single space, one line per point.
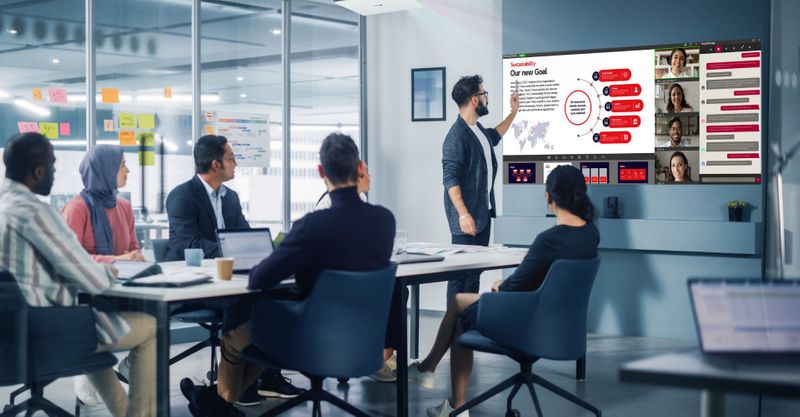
351 235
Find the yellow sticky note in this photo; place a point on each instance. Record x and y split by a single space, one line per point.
147 158
110 95
147 121
209 129
147 139
49 130
167 92
37 94
127 138
127 121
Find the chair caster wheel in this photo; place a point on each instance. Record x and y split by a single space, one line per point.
513 413
212 376
343 380
7 407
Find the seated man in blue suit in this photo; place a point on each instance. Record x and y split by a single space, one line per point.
352 235
199 207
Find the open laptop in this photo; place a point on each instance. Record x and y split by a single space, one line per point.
747 317
247 247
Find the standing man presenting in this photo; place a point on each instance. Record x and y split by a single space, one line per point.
468 170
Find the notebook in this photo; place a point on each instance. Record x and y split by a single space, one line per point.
173 280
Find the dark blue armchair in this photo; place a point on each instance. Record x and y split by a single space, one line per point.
548 323
338 331
41 344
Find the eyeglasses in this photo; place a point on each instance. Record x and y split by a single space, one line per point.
674 129
485 93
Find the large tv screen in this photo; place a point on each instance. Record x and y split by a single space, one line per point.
670 114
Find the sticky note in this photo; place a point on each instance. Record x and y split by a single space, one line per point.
209 129
49 130
57 95
127 138
37 94
209 116
127 121
108 125
147 139
110 95
147 158
167 92
147 121
64 129
25 127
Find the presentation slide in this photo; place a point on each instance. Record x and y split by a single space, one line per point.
581 104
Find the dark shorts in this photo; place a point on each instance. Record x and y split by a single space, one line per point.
469 317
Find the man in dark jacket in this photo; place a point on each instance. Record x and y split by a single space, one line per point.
469 166
351 235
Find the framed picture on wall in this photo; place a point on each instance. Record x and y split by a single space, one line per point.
427 94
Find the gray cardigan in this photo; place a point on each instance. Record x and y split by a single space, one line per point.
463 164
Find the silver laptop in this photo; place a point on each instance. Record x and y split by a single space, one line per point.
746 316
247 247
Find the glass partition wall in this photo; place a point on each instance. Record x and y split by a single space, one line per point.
144 93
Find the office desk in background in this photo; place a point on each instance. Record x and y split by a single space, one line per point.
716 375
157 301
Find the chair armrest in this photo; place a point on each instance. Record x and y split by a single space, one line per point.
505 316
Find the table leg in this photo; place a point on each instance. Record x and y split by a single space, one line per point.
414 341
712 403
402 351
580 369
162 358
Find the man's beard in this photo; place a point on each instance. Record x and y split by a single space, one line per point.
482 110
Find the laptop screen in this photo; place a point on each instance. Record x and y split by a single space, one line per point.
747 316
247 247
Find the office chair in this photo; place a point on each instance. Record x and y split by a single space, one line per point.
42 344
549 323
208 318
338 331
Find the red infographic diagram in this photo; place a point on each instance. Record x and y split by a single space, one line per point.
581 104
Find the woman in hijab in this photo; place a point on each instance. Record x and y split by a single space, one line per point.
103 223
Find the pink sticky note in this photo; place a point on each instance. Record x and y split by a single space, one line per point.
57 95
25 127
64 129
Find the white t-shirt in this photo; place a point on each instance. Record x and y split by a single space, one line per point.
487 153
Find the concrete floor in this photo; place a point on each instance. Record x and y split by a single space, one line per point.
601 388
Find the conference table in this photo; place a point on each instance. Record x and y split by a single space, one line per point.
158 301
716 375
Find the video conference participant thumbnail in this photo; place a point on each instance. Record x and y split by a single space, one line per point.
677 62
677 131
677 166
673 96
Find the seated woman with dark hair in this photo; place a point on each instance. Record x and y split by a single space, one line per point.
573 237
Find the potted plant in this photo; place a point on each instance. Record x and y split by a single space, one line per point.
736 210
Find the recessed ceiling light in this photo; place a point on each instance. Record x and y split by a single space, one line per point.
239 78
276 32
55 61
12 31
243 95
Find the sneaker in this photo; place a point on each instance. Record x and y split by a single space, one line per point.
250 397
124 368
424 379
205 402
385 374
278 387
85 391
392 362
443 410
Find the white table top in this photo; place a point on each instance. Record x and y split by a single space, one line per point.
490 259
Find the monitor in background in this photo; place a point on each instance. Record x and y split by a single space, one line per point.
746 316
247 247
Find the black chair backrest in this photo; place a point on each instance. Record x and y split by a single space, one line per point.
13 331
160 249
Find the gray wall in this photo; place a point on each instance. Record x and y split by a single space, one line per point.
644 292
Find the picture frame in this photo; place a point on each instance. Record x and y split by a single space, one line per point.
427 94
